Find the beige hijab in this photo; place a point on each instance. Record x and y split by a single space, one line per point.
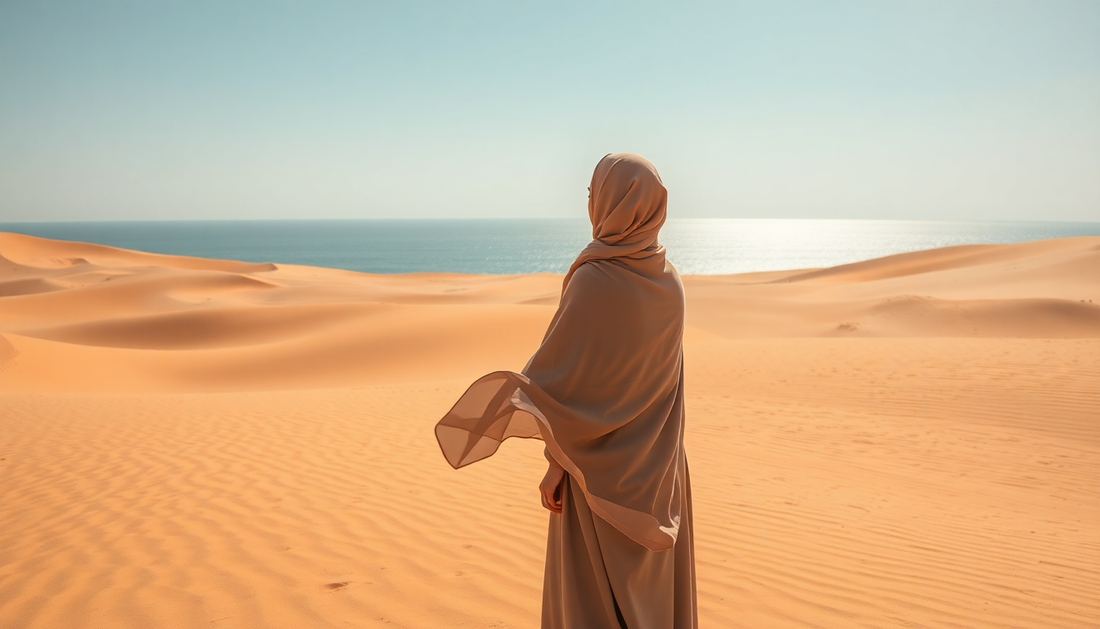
604 391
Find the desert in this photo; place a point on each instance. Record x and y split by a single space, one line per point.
910 441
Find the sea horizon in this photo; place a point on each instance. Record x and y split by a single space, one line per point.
505 246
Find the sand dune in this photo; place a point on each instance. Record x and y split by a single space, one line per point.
911 441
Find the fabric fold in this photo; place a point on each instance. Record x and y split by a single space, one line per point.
604 390
499 406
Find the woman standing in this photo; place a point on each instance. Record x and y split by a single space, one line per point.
605 393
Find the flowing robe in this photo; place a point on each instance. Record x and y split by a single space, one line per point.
605 393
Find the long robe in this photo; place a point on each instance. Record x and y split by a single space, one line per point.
605 393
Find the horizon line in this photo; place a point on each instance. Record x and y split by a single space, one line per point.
539 218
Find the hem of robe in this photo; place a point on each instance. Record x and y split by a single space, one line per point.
514 398
596 577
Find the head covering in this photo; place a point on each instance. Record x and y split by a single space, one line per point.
626 204
605 388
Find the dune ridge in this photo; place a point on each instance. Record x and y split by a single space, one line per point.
190 316
911 441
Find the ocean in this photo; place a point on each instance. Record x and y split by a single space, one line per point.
507 246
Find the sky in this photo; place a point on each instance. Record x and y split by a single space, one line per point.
924 109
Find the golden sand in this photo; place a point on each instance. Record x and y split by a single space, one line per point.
912 441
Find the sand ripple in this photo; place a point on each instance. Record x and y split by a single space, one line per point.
911 442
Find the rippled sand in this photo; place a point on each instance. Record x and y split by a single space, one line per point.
912 441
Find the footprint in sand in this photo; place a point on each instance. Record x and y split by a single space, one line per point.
332 587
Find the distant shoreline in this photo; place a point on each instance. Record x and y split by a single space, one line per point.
520 246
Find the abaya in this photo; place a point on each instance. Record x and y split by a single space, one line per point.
605 392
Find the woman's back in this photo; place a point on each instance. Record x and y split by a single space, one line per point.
619 330
605 392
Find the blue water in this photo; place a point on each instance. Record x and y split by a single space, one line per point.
696 246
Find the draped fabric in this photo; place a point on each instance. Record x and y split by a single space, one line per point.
597 578
626 210
604 391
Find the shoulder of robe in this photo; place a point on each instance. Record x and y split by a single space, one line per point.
590 276
609 274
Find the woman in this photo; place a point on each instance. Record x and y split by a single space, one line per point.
605 393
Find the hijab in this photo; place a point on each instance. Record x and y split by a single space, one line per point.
627 206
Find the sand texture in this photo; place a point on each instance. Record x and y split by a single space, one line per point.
912 441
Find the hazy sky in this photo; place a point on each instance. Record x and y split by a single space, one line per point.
877 109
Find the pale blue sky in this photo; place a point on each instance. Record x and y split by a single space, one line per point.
927 109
